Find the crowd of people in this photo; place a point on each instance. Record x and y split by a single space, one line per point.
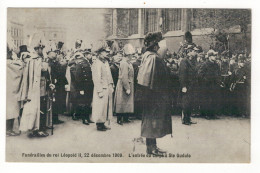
150 83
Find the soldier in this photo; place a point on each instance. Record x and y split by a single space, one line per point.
124 95
188 45
210 78
83 87
153 78
102 107
58 72
238 88
188 82
72 75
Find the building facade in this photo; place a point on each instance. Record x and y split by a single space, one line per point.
15 30
131 25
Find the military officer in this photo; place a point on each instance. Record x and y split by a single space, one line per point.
83 87
187 77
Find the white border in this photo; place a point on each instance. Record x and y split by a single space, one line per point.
48 167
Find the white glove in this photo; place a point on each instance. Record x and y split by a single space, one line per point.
81 92
100 94
52 86
184 90
128 92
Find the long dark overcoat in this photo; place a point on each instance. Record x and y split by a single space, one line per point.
153 77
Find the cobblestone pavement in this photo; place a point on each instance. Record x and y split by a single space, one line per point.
224 140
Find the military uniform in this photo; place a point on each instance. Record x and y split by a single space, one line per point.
187 77
239 91
58 73
84 84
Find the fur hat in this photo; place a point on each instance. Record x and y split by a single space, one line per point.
188 37
151 39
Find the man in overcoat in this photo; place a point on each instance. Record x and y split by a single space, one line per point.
14 71
36 84
102 107
210 79
124 95
153 77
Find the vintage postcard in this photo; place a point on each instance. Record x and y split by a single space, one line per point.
128 85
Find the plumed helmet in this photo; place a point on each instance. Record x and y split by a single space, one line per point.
129 49
152 39
52 55
60 44
188 37
100 46
39 45
78 43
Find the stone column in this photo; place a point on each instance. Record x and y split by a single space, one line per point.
114 22
141 22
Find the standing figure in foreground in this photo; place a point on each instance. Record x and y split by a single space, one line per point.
14 69
153 78
36 84
84 86
124 95
102 107
210 77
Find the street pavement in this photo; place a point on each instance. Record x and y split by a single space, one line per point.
209 141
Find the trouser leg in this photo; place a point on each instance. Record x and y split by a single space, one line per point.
43 118
150 144
9 124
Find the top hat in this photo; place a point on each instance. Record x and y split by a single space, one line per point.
23 48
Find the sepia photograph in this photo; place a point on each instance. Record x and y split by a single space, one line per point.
128 85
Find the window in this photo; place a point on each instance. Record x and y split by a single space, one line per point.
202 18
172 19
151 19
133 21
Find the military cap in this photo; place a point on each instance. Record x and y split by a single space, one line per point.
129 49
192 54
101 46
